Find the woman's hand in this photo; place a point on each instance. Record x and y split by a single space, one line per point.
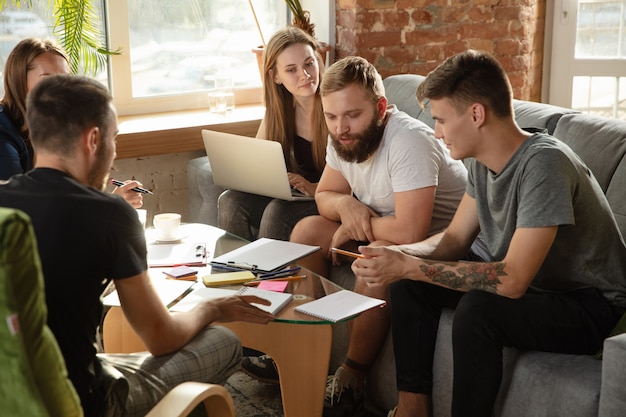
301 184
133 198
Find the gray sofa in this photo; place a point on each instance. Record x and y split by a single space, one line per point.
535 384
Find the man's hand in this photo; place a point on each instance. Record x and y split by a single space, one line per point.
356 220
133 198
238 308
381 266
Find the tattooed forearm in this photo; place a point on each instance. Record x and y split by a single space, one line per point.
465 276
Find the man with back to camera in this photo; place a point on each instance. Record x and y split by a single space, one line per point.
387 180
87 237
555 284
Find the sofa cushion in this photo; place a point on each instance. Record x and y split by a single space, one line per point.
400 90
601 143
543 116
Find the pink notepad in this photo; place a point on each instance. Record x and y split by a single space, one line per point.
278 286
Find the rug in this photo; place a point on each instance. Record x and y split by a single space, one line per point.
253 398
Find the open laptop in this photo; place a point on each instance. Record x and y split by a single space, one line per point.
248 164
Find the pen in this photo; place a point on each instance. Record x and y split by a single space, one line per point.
256 282
277 274
227 268
347 253
137 189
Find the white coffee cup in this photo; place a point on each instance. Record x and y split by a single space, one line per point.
167 225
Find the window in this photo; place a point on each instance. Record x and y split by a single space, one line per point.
589 56
172 51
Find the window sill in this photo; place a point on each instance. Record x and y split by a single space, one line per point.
174 132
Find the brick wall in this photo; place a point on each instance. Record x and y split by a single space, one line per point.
414 36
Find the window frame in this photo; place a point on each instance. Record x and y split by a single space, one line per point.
120 77
564 65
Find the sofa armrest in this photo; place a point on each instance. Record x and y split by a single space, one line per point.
613 393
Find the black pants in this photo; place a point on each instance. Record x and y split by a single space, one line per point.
574 322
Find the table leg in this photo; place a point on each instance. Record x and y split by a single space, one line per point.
302 356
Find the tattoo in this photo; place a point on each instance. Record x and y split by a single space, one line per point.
467 276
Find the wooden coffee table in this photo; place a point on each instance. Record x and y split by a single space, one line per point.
299 344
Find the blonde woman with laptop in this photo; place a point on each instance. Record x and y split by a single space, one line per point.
294 118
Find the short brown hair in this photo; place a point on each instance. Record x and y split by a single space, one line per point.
470 77
62 107
353 70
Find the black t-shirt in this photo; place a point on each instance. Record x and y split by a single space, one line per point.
85 238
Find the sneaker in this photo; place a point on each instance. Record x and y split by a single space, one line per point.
261 367
342 398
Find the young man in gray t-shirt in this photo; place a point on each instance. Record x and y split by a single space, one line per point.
554 283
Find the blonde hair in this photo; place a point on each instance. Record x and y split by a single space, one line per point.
280 116
16 69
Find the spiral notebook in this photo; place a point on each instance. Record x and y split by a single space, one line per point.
264 255
339 306
279 299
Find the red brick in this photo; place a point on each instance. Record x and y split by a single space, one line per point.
507 47
508 13
454 14
480 14
430 53
376 39
414 4
423 36
377 4
455 48
346 4
480 45
347 19
395 19
423 17
369 19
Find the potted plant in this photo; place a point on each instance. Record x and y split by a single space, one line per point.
299 18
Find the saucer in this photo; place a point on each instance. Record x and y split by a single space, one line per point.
180 236
152 236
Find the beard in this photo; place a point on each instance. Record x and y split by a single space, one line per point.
364 145
98 175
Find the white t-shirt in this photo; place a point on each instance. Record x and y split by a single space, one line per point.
409 157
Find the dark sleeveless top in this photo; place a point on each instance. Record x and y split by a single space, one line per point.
303 153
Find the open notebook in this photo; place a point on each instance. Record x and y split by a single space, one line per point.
339 306
264 255
279 299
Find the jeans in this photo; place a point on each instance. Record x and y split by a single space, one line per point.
574 322
253 216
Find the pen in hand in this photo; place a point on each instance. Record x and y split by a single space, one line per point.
136 189
347 253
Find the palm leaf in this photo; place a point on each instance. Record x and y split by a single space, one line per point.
76 25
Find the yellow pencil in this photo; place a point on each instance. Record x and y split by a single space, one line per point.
347 253
258 281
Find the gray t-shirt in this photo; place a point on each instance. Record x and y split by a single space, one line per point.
546 184
409 158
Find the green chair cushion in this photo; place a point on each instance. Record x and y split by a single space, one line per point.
34 380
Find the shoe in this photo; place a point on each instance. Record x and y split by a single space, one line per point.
261 367
392 412
342 398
